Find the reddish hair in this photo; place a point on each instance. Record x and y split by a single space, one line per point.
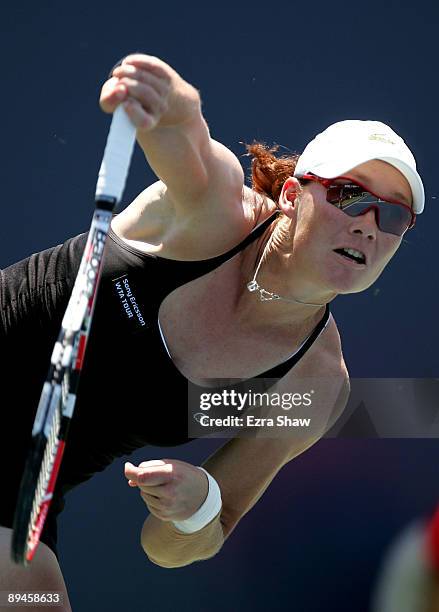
269 172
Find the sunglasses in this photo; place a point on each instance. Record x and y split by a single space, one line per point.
354 199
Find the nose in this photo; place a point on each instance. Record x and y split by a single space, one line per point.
365 224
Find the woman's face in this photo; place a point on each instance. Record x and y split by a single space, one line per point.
321 229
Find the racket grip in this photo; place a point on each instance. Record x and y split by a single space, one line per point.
117 158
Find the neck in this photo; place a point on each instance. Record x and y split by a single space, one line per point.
276 286
270 296
254 313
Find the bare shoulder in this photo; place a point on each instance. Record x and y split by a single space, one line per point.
326 354
322 377
324 364
153 224
332 348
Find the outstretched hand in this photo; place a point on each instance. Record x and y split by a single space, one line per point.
173 490
142 83
151 92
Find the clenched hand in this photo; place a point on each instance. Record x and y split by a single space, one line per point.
173 490
151 91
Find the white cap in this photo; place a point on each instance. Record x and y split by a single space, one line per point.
347 144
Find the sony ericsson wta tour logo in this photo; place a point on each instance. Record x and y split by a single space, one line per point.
128 300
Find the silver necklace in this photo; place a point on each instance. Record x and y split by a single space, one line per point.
268 296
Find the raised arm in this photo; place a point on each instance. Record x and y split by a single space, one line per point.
201 180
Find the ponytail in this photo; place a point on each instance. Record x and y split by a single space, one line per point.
269 172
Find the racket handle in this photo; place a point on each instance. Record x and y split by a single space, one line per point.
117 158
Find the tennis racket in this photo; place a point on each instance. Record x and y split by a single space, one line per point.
57 401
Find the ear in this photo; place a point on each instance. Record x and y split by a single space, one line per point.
288 196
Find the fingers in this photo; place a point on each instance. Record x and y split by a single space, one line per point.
158 84
142 119
149 99
147 476
151 463
153 478
171 489
150 63
142 83
147 90
146 464
161 508
113 93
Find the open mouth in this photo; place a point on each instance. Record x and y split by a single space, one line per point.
352 255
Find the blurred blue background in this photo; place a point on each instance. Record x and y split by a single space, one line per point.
278 72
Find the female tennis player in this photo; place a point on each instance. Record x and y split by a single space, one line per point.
204 278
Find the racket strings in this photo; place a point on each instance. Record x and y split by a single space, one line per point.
50 452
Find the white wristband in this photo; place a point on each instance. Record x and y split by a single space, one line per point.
208 511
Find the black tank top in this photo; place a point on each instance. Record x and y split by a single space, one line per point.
130 392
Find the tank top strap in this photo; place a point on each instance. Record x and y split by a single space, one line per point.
281 369
189 270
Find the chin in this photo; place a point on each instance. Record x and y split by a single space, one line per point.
344 286
349 291
357 288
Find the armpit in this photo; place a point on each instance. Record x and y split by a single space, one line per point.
259 207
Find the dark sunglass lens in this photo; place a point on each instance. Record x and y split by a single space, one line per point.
394 219
345 195
352 194
333 194
390 218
